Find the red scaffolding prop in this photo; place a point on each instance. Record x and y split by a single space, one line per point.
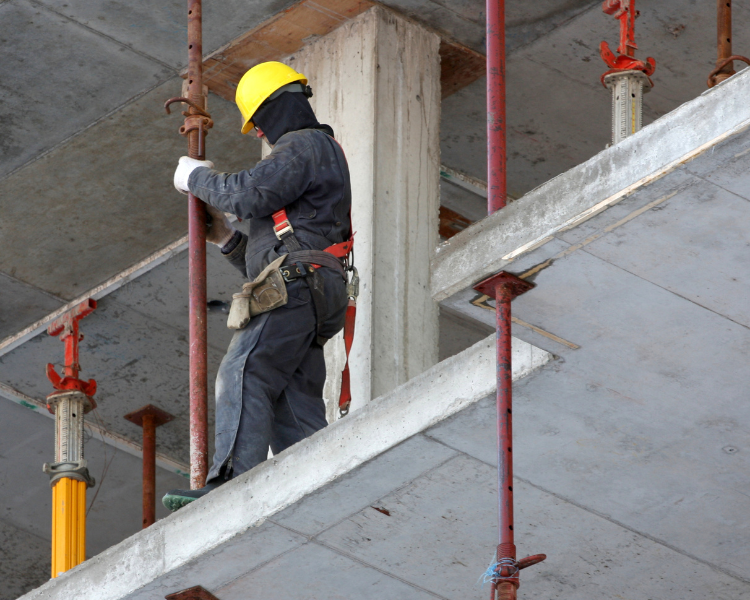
503 287
625 12
196 126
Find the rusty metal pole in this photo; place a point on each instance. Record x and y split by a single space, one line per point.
149 471
149 417
197 264
504 287
724 57
723 40
496 126
197 124
506 542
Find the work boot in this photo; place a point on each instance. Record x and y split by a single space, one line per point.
176 499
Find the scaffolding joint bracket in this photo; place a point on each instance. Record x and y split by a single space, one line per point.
77 469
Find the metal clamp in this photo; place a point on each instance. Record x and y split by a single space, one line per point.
73 470
352 288
199 120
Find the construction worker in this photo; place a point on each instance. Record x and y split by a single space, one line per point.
295 202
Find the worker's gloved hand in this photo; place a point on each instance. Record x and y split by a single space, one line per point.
219 230
184 168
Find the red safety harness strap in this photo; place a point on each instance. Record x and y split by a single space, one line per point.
283 229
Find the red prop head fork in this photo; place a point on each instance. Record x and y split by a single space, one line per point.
624 10
66 327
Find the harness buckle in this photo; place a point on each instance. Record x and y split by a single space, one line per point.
282 228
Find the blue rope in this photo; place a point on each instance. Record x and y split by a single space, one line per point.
492 573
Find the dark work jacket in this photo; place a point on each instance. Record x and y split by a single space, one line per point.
307 174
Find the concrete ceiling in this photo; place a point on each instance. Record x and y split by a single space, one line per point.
85 192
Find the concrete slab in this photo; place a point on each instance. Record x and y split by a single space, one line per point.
693 245
364 486
135 359
104 210
623 426
244 504
244 553
462 201
298 574
161 30
541 141
22 305
441 534
458 333
580 193
162 294
81 78
558 111
726 166
20 554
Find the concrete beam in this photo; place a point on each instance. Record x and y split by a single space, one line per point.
577 195
210 524
101 290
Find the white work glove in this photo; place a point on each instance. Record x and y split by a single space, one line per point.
184 168
221 230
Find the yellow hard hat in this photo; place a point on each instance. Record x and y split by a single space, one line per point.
258 84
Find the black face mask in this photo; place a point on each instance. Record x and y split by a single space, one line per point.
291 111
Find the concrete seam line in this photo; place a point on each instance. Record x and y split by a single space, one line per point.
99 291
127 308
614 521
314 536
601 515
698 304
379 569
85 128
721 187
115 440
31 287
107 37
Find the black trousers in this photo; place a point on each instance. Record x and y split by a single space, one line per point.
269 388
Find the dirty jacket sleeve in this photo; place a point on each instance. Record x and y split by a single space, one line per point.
274 182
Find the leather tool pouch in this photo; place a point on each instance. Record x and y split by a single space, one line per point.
266 292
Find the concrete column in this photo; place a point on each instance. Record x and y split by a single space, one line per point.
376 81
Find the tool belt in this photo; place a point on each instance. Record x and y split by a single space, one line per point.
264 293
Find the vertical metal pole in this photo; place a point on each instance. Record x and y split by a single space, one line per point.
149 471
506 545
724 39
197 268
496 126
149 417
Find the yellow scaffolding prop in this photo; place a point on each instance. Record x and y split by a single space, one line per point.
68 524
69 474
